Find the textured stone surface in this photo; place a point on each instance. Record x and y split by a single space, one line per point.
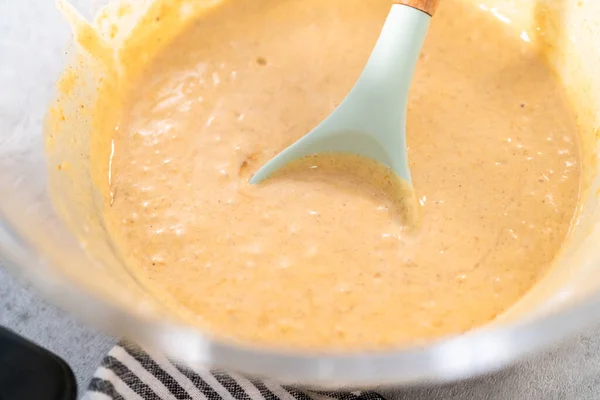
24 312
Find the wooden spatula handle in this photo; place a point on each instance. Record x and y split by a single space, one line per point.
427 6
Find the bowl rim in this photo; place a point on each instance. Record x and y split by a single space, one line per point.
449 359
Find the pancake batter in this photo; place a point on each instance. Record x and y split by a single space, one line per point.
314 259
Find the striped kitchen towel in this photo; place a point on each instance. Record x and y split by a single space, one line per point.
129 373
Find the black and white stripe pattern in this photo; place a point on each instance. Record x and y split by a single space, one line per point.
128 373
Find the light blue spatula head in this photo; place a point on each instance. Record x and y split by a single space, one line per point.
371 120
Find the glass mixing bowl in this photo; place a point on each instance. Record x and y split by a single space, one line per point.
72 261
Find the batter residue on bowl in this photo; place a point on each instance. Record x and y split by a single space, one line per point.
314 259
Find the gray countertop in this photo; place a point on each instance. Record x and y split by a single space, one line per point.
569 371
23 311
